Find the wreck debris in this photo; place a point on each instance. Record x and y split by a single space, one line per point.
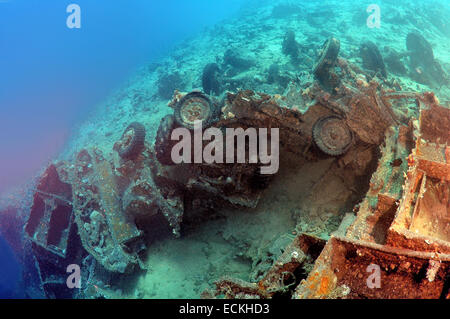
210 79
132 142
433 269
401 238
420 49
402 223
104 230
326 60
327 56
332 135
403 230
366 118
372 59
50 221
394 62
152 192
281 279
345 262
290 46
52 232
163 141
424 67
421 221
193 107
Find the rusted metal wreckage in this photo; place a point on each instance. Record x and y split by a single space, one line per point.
405 232
105 209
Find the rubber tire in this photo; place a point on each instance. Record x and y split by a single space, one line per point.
210 79
375 57
206 122
136 145
330 52
163 143
421 51
318 142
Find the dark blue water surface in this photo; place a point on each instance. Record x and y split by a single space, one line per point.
10 272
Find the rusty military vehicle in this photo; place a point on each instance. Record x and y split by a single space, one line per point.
101 212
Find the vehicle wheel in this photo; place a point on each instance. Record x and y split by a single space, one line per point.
372 58
420 50
327 57
210 79
163 143
332 136
194 106
132 142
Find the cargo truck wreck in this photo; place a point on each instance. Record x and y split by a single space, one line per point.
387 151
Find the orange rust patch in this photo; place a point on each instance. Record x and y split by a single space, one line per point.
261 285
324 285
410 160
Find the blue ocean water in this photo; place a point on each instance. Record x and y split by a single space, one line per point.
10 272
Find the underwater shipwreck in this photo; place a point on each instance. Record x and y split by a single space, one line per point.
386 158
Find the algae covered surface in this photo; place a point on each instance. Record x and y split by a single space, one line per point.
269 47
